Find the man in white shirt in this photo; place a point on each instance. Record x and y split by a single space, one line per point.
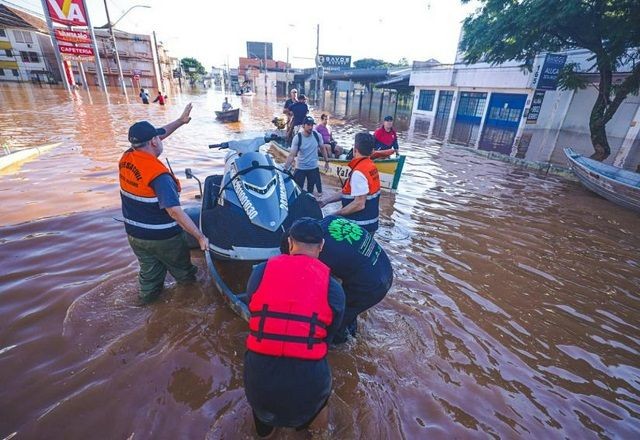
360 194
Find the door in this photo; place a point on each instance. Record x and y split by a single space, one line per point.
467 125
502 121
442 114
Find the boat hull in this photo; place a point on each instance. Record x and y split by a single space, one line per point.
390 170
229 116
614 184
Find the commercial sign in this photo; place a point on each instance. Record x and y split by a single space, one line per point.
553 64
67 36
67 12
72 52
536 105
334 62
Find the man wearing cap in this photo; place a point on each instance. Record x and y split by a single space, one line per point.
305 145
360 194
299 110
363 267
296 308
154 221
386 139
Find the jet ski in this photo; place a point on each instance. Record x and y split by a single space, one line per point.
244 213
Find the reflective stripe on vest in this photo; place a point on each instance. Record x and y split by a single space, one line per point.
290 310
143 216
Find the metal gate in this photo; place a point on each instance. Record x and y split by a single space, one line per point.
442 114
467 126
501 123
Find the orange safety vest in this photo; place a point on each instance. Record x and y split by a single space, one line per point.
368 217
290 310
143 216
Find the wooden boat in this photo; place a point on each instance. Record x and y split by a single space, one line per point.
228 116
390 169
615 184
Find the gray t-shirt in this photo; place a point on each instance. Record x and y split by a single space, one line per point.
308 151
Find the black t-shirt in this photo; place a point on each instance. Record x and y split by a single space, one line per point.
288 103
354 256
300 111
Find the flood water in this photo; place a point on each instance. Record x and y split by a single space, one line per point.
514 312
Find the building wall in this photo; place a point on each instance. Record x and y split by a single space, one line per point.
15 68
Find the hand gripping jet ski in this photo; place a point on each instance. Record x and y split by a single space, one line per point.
245 212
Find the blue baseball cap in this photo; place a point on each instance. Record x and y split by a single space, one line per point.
309 121
306 230
143 131
388 118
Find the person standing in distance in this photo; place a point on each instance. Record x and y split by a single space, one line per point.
144 96
360 194
153 219
306 144
296 308
386 139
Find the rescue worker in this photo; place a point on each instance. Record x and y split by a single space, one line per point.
360 194
153 219
386 139
296 308
356 258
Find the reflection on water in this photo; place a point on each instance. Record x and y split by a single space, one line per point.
514 312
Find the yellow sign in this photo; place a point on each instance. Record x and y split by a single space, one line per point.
8 65
5 45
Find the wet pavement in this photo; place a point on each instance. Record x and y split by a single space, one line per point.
514 312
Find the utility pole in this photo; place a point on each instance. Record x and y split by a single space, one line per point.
287 77
161 79
115 50
317 59
56 49
96 54
265 70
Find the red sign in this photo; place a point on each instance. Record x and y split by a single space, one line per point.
68 36
69 12
80 51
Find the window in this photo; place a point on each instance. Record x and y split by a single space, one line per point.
23 37
24 56
1 72
3 33
15 72
8 53
33 57
425 101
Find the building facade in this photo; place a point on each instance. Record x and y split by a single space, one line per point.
498 108
26 51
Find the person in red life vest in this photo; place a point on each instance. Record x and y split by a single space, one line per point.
160 98
386 140
360 194
153 219
296 308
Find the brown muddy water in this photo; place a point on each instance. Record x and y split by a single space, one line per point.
514 312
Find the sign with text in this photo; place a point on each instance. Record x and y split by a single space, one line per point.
553 64
76 52
67 36
536 105
68 12
335 62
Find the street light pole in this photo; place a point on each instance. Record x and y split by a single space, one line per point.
115 50
317 60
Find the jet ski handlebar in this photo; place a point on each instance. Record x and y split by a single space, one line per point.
220 146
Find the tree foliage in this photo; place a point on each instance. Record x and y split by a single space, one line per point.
193 68
506 30
374 63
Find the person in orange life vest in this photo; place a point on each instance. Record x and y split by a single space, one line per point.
296 308
360 194
160 98
153 219
386 139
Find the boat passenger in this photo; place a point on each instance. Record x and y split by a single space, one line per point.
296 308
305 144
153 219
363 267
360 194
293 98
329 144
226 106
299 110
386 139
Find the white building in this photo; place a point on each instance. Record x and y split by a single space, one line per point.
26 51
496 108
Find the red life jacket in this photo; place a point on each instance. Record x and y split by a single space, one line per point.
290 310
366 166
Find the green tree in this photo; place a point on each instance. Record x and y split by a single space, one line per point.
403 62
370 63
192 68
504 30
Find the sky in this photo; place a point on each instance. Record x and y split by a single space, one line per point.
214 32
